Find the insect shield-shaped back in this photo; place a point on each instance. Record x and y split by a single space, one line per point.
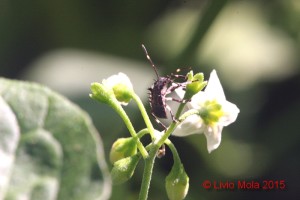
158 91
157 96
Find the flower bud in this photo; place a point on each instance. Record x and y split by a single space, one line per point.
101 93
123 93
123 169
122 148
116 88
196 84
121 86
177 183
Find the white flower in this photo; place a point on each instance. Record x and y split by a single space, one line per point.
121 86
214 112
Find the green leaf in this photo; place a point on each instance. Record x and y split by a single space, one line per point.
49 148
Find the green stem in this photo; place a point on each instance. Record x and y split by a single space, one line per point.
149 163
144 114
188 113
172 127
118 108
142 132
176 157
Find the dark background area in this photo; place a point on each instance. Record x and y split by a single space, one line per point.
253 45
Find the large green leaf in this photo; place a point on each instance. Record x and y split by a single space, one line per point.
49 148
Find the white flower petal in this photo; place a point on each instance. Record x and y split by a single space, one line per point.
231 112
180 92
213 137
214 89
191 125
197 100
117 79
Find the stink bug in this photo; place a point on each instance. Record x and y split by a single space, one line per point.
158 91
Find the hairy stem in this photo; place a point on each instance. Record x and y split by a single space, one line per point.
148 169
118 108
144 114
176 157
172 127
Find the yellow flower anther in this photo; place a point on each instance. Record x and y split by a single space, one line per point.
211 112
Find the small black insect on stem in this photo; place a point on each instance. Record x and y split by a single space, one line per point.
161 87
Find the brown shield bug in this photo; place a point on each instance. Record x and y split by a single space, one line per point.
161 87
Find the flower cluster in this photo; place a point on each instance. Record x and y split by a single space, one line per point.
208 112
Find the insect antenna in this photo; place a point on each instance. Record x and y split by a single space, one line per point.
148 57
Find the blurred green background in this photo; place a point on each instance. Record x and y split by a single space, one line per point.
253 45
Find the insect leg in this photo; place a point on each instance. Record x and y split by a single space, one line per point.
177 100
174 86
157 120
171 113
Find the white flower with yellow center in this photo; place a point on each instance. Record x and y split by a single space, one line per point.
213 113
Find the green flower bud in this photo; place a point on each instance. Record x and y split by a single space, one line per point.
123 169
101 93
177 183
121 86
123 93
196 84
116 87
122 148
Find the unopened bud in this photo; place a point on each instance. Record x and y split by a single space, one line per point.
123 169
116 87
177 183
195 85
122 148
121 86
101 93
123 93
